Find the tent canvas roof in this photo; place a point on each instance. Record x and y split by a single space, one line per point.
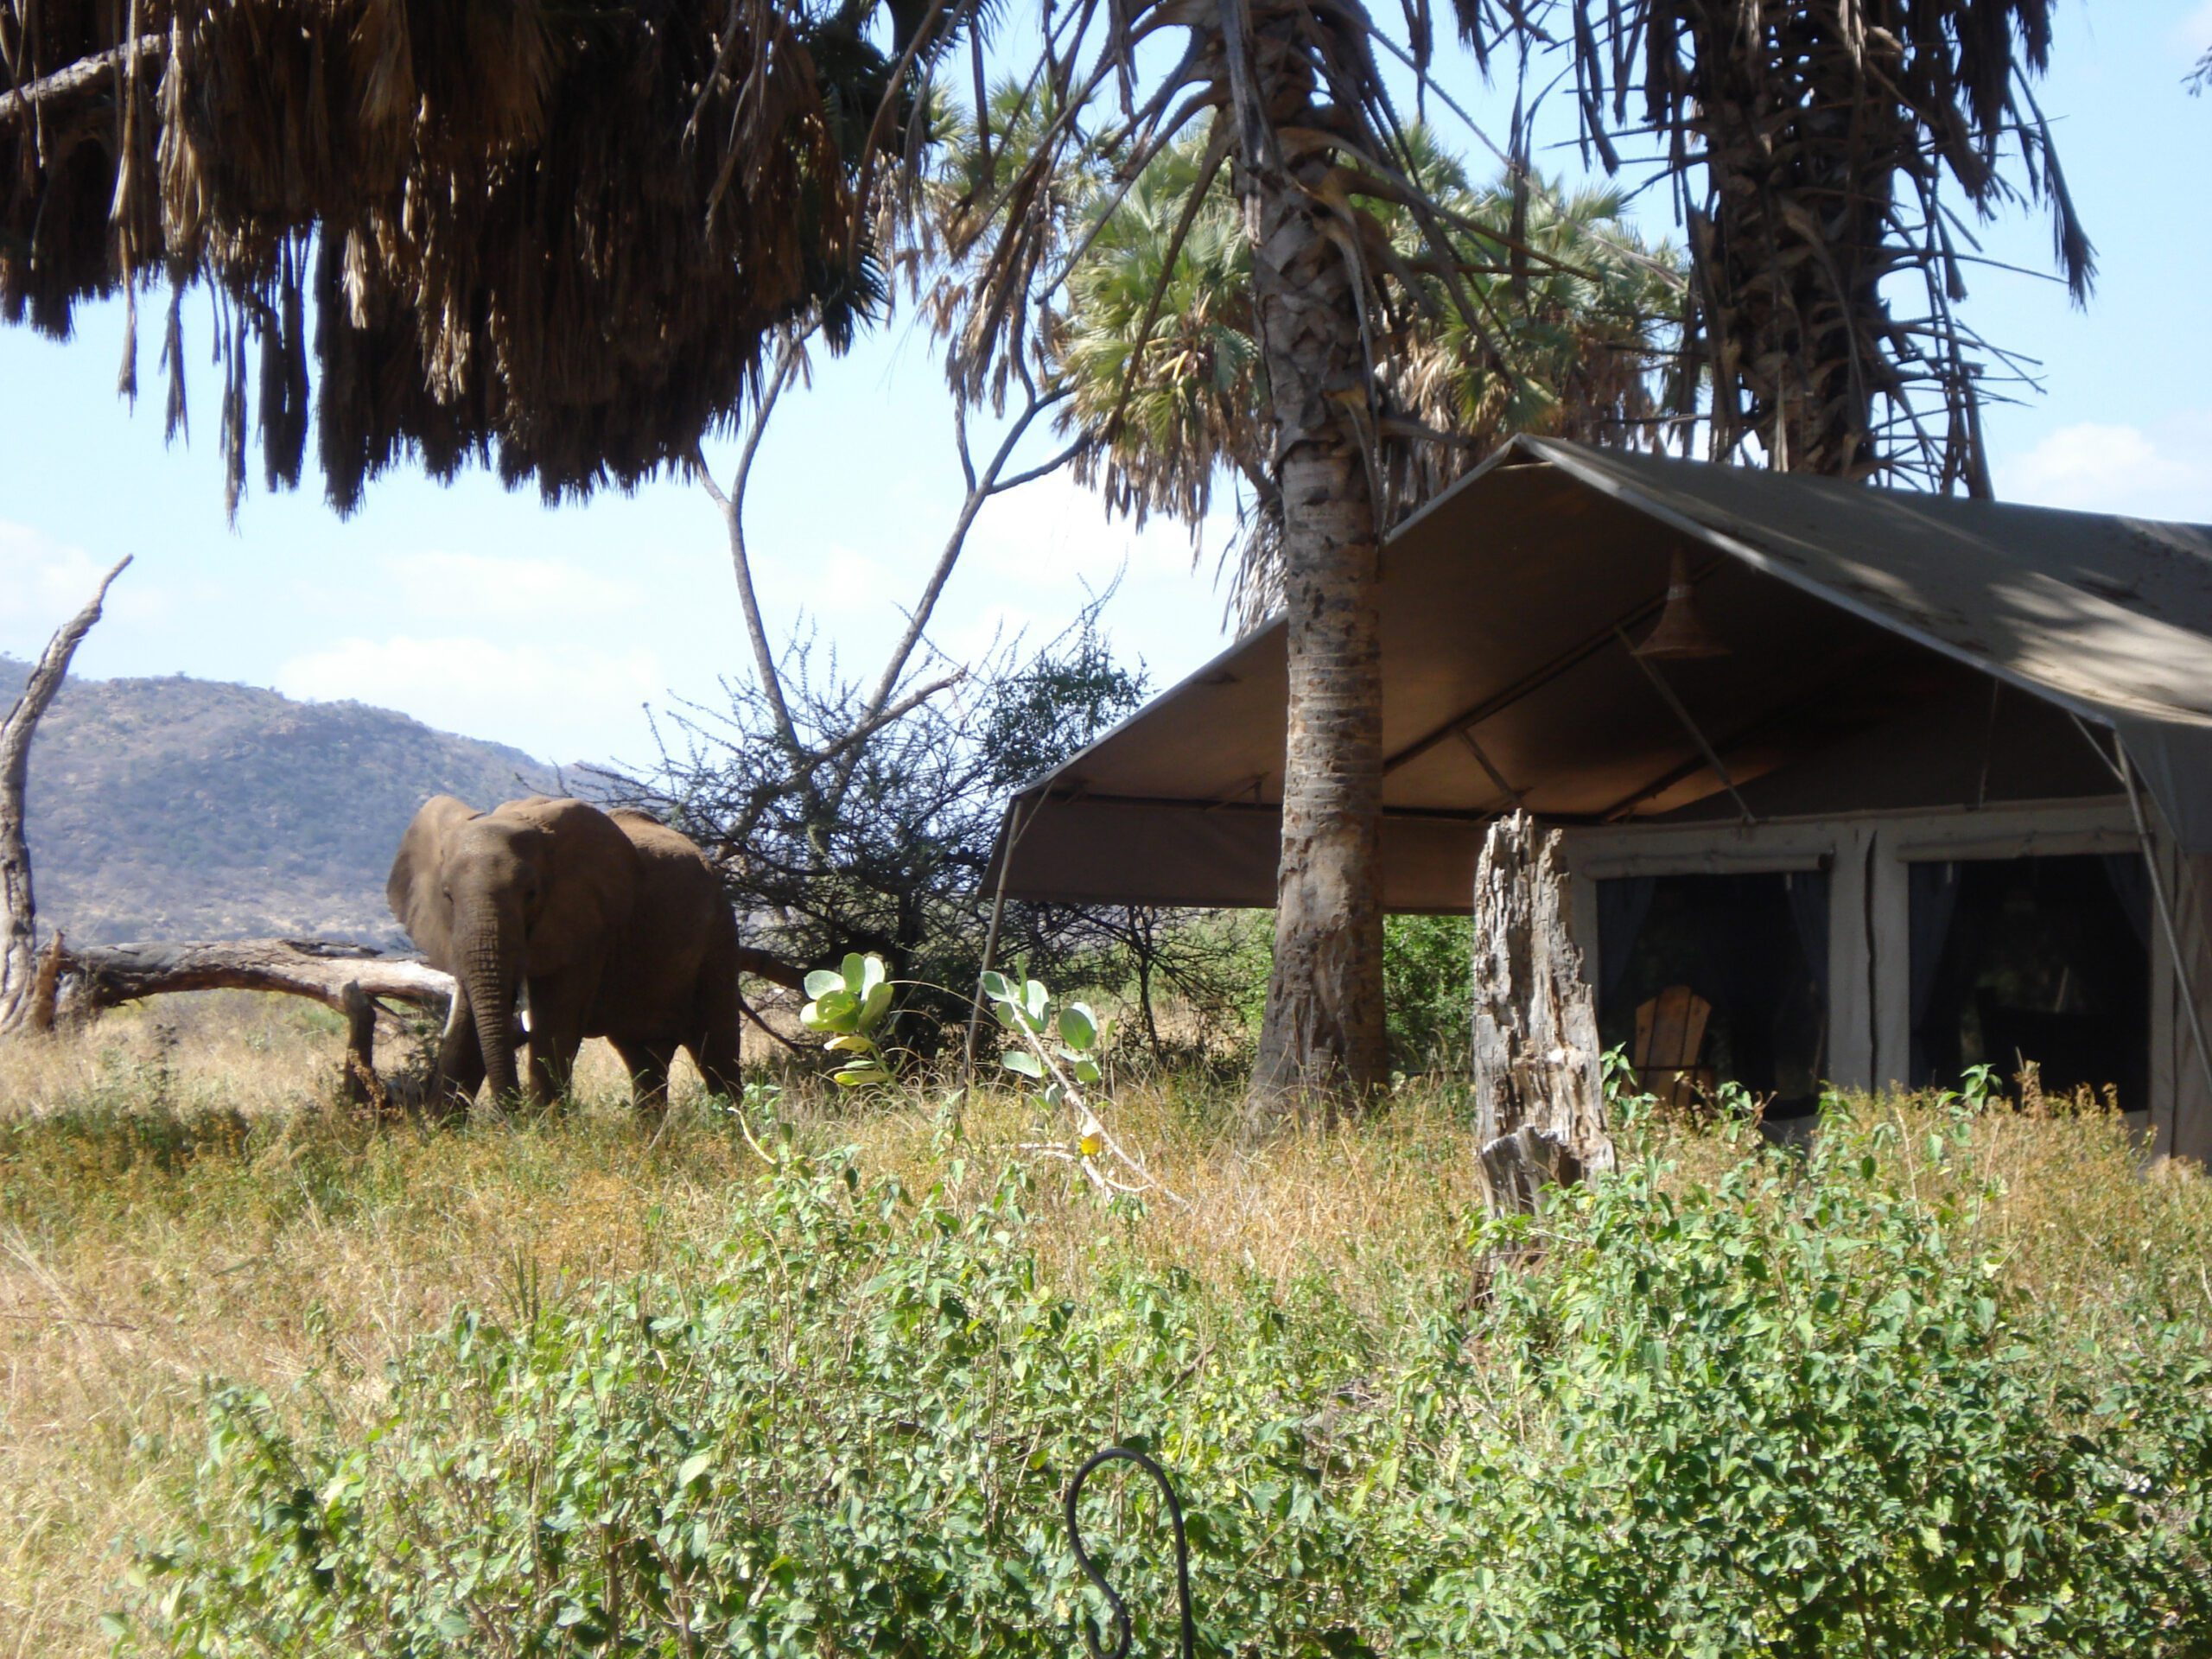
1508 605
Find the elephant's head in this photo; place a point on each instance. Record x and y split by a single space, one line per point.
528 890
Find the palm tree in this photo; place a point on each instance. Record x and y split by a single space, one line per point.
1168 417
1291 336
1826 135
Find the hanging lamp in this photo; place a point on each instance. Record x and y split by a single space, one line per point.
1679 634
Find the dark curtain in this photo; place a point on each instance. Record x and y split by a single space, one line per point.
1809 908
2130 876
1933 898
1624 902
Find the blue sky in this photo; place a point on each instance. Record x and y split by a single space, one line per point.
480 611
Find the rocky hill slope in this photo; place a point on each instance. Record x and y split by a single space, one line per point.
176 809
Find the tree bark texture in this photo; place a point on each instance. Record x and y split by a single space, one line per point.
1540 1096
330 974
1796 243
19 964
1321 1040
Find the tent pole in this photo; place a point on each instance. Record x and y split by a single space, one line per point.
975 1007
1015 824
1711 756
1496 776
2123 770
2166 921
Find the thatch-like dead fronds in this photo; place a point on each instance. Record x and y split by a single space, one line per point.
1827 133
548 235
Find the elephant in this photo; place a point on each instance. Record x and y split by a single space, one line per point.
601 923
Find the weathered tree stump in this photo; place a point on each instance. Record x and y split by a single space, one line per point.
1539 1085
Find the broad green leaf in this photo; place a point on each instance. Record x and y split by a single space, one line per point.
692 1467
851 1043
872 975
822 981
876 1004
1086 1071
997 987
854 1076
1036 1001
836 1012
1078 1025
855 974
1021 1061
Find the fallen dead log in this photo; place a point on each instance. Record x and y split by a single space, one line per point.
350 978
319 968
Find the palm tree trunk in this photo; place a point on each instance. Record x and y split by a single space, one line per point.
1321 1040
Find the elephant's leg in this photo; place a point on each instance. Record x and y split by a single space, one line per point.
714 1051
556 1031
648 1063
460 1062
718 1020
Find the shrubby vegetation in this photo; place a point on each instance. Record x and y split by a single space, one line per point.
1730 1401
884 848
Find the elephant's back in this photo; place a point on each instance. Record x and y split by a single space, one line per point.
682 929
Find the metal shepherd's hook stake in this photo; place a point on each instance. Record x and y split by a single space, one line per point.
1120 1649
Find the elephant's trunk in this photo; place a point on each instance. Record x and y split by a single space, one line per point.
490 966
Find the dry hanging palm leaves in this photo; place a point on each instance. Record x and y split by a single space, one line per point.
1828 130
546 236
1113 259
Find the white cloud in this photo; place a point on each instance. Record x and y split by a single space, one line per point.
2193 34
836 580
562 703
462 586
1055 533
44 582
2099 467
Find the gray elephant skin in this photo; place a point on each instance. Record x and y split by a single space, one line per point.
602 923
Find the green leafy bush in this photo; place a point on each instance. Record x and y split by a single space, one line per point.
1791 1411
1795 1413
1428 981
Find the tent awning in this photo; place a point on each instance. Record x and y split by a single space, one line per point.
1507 608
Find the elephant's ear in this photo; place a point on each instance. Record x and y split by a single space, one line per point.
591 874
413 888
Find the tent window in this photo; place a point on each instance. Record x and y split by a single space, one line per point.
1741 943
2041 959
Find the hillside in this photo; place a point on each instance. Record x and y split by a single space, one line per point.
176 809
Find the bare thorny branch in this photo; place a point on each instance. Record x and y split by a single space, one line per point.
840 752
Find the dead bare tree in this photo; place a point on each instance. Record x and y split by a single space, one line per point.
36 983
22 1003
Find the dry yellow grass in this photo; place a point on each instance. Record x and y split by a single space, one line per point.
179 1200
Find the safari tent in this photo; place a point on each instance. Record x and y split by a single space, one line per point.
1942 796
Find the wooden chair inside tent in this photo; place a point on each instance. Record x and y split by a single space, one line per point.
1670 1039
